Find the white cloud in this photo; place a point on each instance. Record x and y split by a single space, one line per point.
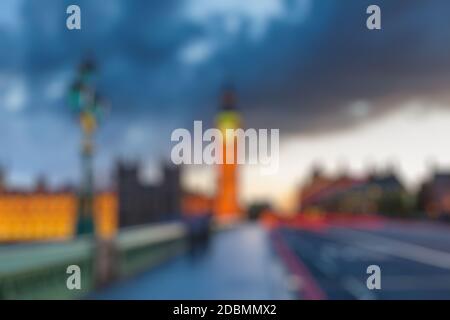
10 13
257 14
359 109
408 137
196 52
58 86
135 136
14 95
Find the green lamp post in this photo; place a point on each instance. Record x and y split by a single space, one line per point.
85 102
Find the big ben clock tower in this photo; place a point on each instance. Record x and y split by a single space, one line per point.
226 207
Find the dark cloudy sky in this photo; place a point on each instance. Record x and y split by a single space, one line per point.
310 68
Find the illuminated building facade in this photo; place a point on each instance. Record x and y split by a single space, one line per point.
32 216
226 207
44 215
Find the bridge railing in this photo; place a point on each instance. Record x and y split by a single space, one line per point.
39 271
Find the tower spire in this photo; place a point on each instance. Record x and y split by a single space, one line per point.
228 98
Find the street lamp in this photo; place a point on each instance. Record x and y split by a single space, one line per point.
87 104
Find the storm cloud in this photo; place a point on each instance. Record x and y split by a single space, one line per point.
303 66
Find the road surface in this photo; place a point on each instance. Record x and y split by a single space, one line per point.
414 258
311 261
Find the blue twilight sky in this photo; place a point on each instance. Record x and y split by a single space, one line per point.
310 68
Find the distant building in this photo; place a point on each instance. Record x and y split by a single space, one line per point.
2 180
376 194
326 194
41 185
141 203
434 196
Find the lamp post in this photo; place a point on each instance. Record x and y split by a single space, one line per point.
85 102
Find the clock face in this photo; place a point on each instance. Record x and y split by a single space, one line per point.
228 120
243 150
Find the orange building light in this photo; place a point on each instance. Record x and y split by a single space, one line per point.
51 216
